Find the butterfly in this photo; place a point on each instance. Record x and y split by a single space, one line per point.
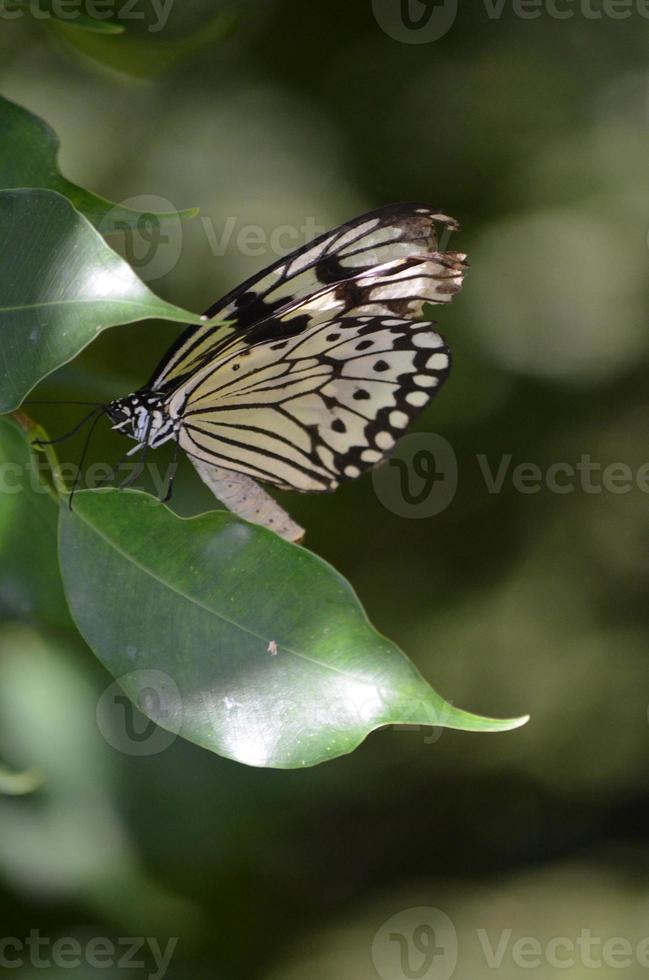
307 373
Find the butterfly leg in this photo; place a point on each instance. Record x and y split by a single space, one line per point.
114 470
172 475
137 470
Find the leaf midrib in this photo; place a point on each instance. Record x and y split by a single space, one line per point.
98 299
212 612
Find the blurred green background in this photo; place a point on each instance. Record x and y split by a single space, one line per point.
533 133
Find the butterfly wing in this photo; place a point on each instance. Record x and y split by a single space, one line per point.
305 412
260 305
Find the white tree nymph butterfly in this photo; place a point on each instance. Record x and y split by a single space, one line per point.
306 374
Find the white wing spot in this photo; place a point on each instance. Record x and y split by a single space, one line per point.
384 440
426 381
370 456
437 362
398 419
352 471
417 398
427 340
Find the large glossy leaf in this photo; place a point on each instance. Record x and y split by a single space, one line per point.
254 648
60 285
30 583
28 158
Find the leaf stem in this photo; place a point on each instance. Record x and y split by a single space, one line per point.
38 441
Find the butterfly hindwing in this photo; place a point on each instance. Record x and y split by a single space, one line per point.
309 410
331 276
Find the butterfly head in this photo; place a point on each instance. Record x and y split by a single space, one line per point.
141 416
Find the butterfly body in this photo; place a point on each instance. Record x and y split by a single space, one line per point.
307 374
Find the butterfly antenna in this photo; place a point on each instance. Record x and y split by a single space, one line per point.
99 410
84 453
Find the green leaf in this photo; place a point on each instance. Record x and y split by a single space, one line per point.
147 55
30 583
82 22
28 158
60 285
18 783
255 648
71 838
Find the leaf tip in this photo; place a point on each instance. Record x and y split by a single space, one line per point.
468 722
510 724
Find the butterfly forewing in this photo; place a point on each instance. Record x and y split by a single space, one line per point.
290 294
305 412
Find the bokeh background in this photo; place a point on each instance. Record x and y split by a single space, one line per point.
533 133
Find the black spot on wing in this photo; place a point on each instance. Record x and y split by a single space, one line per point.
274 327
331 270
